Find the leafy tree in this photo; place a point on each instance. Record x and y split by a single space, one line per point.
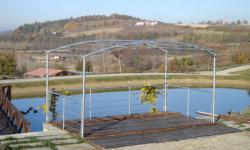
245 22
186 61
118 56
89 66
21 70
149 95
182 63
137 63
239 58
238 22
7 64
28 28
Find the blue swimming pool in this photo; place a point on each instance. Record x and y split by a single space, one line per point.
116 103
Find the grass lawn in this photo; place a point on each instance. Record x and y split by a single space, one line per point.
34 89
243 72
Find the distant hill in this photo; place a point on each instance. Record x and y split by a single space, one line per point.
51 34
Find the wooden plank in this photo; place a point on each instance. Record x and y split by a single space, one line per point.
5 127
120 131
108 134
10 113
120 141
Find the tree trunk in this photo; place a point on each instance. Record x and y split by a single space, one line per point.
103 63
120 66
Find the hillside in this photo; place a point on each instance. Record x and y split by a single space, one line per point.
52 34
232 42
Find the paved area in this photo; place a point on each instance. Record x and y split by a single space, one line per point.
232 141
49 140
242 126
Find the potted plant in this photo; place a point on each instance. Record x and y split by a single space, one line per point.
149 95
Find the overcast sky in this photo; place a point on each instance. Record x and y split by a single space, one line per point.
14 13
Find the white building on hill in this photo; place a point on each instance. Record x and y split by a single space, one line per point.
146 23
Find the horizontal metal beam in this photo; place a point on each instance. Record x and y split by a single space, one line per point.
85 42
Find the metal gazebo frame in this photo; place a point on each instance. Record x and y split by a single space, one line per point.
115 45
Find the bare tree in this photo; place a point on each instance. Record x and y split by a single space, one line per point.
118 56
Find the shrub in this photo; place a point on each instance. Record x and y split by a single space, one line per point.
149 95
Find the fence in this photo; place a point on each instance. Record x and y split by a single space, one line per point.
11 113
125 102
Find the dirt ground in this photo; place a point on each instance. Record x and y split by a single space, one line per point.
233 141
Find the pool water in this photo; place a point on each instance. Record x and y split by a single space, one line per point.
116 103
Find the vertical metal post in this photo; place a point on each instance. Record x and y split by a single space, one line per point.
47 88
188 101
63 102
83 96
214 90
129 98
165 82
90 104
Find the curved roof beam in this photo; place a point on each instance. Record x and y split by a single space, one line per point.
111 48
85 42
156 47
122 46
163 46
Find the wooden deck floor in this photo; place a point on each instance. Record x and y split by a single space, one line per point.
5 126
119 131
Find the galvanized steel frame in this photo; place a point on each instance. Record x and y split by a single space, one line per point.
166 47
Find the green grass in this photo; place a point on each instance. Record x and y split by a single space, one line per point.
33 139
9 139
241 126
30 140
91 79
243 72
44 143
79 139
125 78
112 80
49 144
248 129
27 147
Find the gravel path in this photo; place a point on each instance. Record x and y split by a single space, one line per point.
233 141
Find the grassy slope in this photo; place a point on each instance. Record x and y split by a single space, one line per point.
243 72
33 89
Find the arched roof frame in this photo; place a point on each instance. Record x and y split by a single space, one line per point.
115 45
166 47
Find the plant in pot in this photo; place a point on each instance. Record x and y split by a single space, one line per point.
149 95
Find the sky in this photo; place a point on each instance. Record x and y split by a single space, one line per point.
14 13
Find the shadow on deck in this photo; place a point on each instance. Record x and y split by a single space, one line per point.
119 131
